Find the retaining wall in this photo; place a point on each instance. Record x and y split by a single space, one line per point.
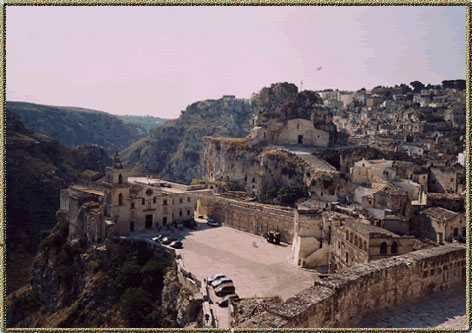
344 299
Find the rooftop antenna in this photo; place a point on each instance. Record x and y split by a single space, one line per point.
301 85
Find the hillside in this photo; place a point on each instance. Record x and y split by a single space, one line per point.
75 284
145 123
73 126
174 150
37 168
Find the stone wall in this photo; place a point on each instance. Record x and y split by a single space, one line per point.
187 279
252 217
344 299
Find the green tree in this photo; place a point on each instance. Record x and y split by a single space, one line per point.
128 275
135 305
289 194
153 275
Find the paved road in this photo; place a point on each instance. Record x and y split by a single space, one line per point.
257 271
442 310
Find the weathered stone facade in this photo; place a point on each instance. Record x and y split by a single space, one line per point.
123 205
357 242
247 216
440 224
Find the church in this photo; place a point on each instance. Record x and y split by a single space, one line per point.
120 205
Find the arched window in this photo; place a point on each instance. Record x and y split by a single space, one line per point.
394 247
298 126
120 179
253 180
120 199
383 248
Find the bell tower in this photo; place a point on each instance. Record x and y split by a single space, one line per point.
116 187
116 175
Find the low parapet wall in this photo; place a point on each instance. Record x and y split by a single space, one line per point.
344 299
187 279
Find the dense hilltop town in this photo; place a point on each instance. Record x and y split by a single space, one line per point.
342 203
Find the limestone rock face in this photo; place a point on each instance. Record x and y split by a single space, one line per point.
283 102
178 305
174 151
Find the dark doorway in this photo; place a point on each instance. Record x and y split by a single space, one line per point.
164 220
383 248
456 232
394 247
131 226
300 139
148 222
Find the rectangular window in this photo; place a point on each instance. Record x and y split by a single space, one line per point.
188 212
164 203
180 200
132 205
180 213
188 199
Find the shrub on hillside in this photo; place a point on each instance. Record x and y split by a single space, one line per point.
135 304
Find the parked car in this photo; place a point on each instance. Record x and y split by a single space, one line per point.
227 299
216 283
273 237
157 239
214 277
213 223
190 224
176 245
167 240
225 289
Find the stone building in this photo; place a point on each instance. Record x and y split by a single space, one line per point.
288 117
355 242
442 179
386 201
310 242
440 225
372 171
122 205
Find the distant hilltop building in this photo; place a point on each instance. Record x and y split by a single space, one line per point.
288 117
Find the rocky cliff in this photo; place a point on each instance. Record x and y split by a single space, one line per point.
109 285
37 167
174 150
73 126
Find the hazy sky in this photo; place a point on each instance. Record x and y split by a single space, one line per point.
158 60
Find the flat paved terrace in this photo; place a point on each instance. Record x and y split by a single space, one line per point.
262 270
445 309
